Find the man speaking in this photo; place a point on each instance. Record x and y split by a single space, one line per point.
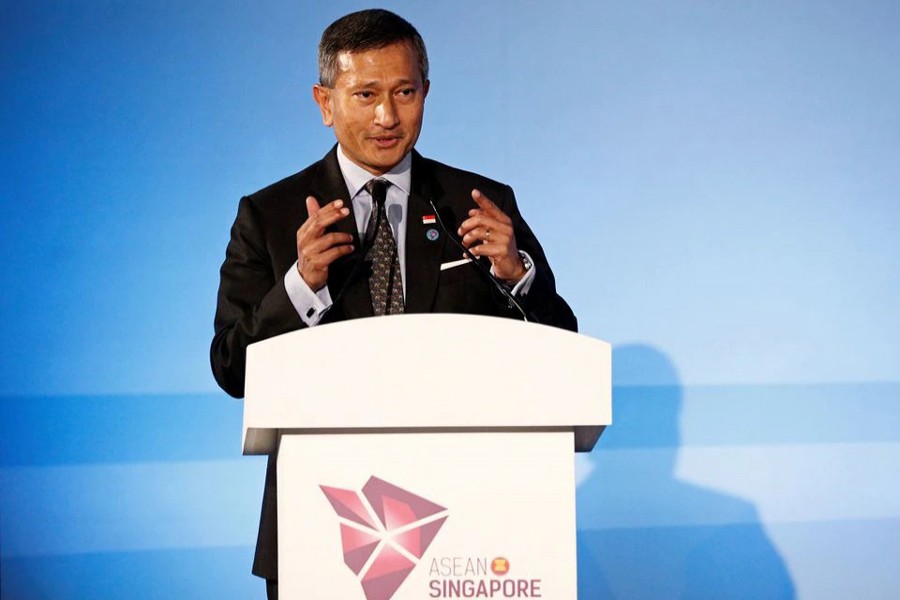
373 228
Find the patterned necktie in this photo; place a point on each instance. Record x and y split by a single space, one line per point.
385 282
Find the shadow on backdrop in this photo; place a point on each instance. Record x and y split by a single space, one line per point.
642 533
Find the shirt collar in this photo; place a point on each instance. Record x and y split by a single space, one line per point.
356 177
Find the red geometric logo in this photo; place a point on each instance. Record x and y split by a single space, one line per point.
385 530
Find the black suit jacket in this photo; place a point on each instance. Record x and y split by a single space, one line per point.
253 304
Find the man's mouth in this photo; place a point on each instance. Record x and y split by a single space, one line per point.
386 141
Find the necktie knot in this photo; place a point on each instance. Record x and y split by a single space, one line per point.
377 188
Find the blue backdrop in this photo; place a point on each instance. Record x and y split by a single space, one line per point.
714 183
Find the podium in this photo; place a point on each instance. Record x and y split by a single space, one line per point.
426 456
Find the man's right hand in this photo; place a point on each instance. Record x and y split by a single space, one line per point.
316 250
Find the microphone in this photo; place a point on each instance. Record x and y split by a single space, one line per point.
501 286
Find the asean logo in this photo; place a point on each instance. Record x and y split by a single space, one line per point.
500 566
385 530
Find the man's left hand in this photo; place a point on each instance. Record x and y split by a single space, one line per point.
489 232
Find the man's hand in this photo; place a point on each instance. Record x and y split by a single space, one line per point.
316 250
492 229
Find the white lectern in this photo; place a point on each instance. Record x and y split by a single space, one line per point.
426 456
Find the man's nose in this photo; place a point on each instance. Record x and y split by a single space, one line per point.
386 114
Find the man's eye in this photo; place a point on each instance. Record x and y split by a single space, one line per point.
364 95
407 92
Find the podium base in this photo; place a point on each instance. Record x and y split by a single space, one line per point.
404 516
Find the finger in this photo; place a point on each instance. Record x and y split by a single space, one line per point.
331 215
484 227
485 235
326 216
318 255
311 232
312 206
490 250
325 242
312 209
483 201
487 205
475 235
325 259
479 220
332 210
470 237
334 205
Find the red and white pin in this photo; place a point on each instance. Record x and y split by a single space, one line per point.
429 220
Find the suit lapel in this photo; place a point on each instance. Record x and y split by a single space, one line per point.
329 185
424 241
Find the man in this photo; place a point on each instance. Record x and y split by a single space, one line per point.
356 234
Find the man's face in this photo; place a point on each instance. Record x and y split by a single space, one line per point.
376 105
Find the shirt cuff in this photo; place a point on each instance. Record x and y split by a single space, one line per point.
310 305
523 285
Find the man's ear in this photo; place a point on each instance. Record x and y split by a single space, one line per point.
426 85
322 96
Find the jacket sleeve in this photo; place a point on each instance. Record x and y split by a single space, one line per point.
252 302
